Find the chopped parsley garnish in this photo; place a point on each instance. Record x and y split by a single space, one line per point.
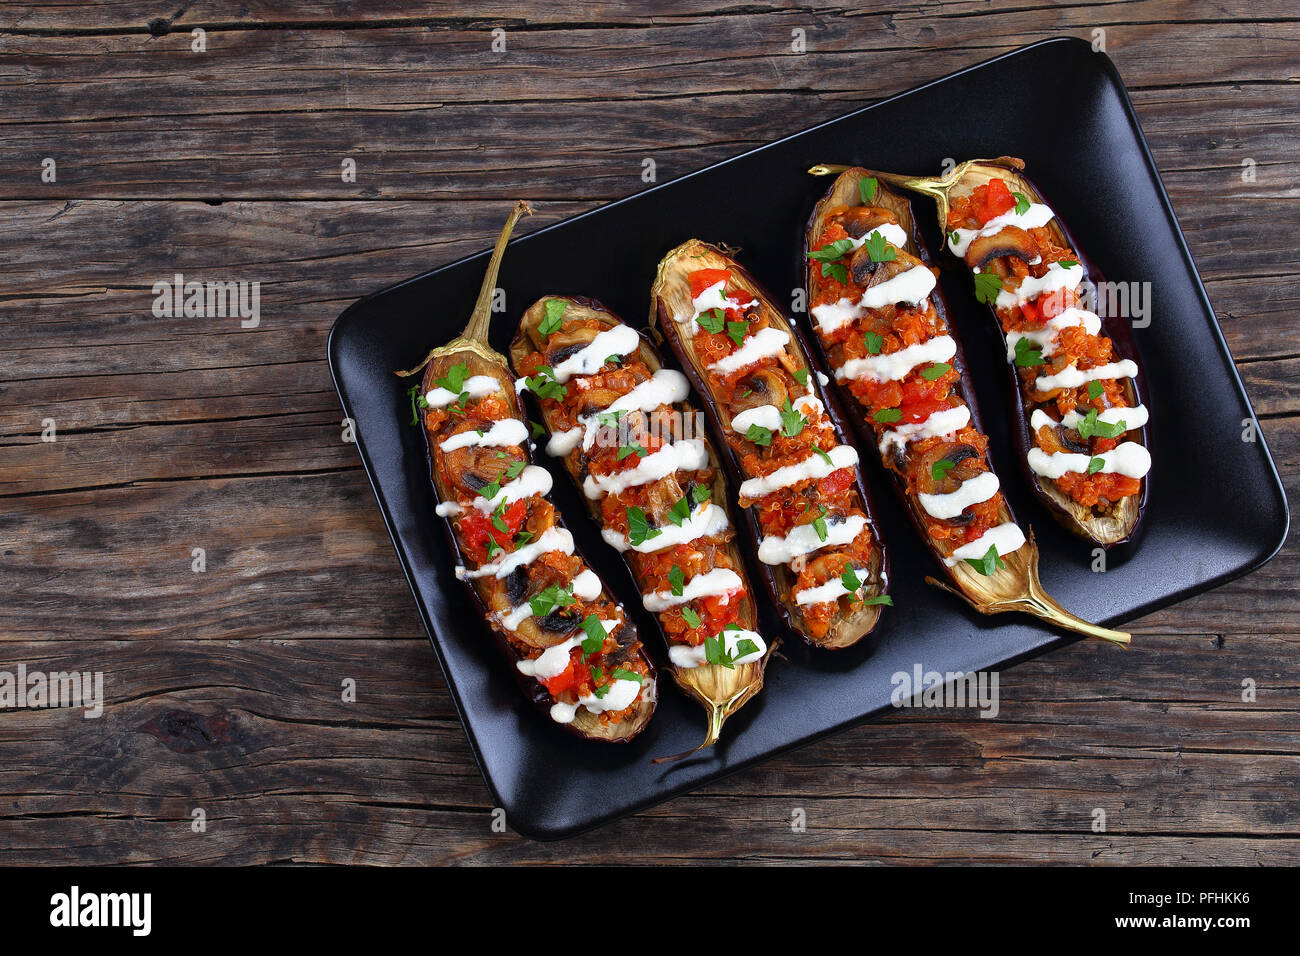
622 673
639 530
850 580
801 376
596 635
1028 355
875 342
544 384
538 430
939 470
690 616
1095 465
715 651
867 190
544 602
418 401
989 563
888 415
1067 263
937 370
987 287
1022 203
792 421
1090 425
454 381
1095 389
713 320
631 449
827 256
701 493
676 580
613 360
825 455
522 538
736 331
680 511
498 518
954 237
819 523
879 249
553 318
879 599
759 435
610 419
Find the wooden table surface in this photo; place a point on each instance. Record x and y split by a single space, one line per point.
223 686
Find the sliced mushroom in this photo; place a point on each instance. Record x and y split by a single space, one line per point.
472 468
858 221
1008 241
965 461
566 343
867 272
763 387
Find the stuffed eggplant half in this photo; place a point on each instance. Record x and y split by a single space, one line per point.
571 645
802 491
881 321
621 423
1075 374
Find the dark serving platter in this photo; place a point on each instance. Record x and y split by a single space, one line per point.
1063 109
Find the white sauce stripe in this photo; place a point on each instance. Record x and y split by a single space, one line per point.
1032 218
689 454
911 287
811 468
586 586
503 433
476 386
1128 459
619 340
1031 288
1072 377
1133 418
552 539
665 387
832 590
762 344
686 656
804 540
1005 537
1045 338
533 480
769 416
939 424
972 491
707 520
895 365
712 583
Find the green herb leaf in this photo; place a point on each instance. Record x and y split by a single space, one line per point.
633 449
801 376
1067 263
819 524
792 421
879 249
713 320
825 455
939 470
680 511
954 237
553 318
937 370
544 384
850 580
888 415
610 419
538 430
1095 389
690 616
879 599
1022 203
454 381
987 287
596 635
417 402
867 189
875 342
515 469
622 673
701 493
639 530
545 601
1028 355
989 563
1091 425
613 360
759 435
676 580
828 255
1095 465
736 331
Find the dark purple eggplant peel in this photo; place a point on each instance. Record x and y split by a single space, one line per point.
856 611
523 608
1107 522
1012 583
556 327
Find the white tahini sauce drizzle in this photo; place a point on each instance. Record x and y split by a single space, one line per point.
552 539
803 539
1132 418
911 287
813 467
1128 459
1072 377
833 316
686 656
940 424
503 433
972 491
762 344
619 340
621 694
1035 216
769 416
706 520
832 590
665 387
712 583
712 298
476 386
689 454
1031 288
895 365
1045 338
533 480
586 586
1005 537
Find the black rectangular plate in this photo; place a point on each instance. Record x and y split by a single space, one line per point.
1060 107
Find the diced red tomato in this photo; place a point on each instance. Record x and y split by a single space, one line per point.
995 200
701 279
920 410
571 677
717 612
476 526
836 482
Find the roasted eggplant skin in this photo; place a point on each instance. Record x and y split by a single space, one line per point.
961 574
1068 513
850 628
585 726
722 691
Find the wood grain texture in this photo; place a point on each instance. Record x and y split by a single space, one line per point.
223 687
